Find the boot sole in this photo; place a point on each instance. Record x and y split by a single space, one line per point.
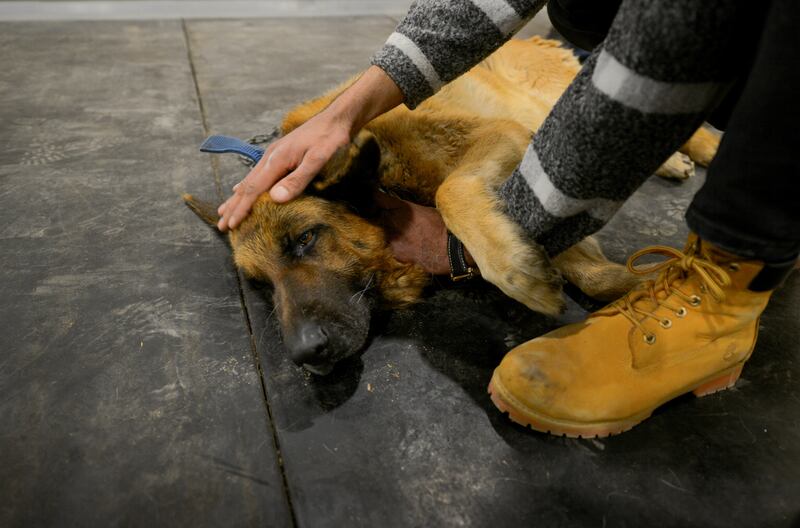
529 418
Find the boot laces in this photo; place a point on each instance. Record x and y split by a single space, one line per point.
673 271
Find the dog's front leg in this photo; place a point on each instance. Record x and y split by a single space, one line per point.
507 258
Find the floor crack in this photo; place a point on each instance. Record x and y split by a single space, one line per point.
242 299
202 106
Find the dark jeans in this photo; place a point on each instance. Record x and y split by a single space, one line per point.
750 203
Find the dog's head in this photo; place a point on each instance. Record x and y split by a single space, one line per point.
326 257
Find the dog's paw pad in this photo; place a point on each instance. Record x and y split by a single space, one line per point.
677 167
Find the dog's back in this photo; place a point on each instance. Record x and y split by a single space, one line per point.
520 82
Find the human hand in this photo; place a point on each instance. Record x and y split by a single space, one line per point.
417 234
292 162
289 164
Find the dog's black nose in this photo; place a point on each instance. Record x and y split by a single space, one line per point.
307 343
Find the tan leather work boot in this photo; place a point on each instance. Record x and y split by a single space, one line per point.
690 330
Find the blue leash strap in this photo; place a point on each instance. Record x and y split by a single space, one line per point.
222 144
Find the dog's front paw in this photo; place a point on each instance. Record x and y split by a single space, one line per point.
528 277
505 255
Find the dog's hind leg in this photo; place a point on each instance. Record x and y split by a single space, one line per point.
700 149
505 256
702 146
677 167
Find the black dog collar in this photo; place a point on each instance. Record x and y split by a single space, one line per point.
459 270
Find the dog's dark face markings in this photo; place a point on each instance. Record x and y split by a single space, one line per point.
330 267
326 265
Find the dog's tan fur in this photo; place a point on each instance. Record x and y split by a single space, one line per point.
456 148
453 152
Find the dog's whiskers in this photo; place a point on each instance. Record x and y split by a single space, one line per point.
266 325
261 337
274 308
362 292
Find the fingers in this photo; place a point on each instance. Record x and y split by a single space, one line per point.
234 209
287 167
242 201
262 177
222 223
293 184
269 169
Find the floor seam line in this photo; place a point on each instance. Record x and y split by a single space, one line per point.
202 107
264 393
240 290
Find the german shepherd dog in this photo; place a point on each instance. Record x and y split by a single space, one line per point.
326 252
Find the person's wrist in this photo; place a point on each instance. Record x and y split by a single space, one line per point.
353 117
372 95
340 117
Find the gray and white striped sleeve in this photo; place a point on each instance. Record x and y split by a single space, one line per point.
638 98
438 40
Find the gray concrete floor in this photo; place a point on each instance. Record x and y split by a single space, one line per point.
142 380
11 10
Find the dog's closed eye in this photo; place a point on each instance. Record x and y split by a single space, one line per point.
303 244
306 238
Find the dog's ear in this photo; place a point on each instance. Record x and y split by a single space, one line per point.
351 176
206 211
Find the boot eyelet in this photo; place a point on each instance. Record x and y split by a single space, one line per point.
650 339
681 312
666 323
695 300
702 288
733 266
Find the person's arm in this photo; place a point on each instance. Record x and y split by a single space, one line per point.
660 71
437 41
637 99
417 234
